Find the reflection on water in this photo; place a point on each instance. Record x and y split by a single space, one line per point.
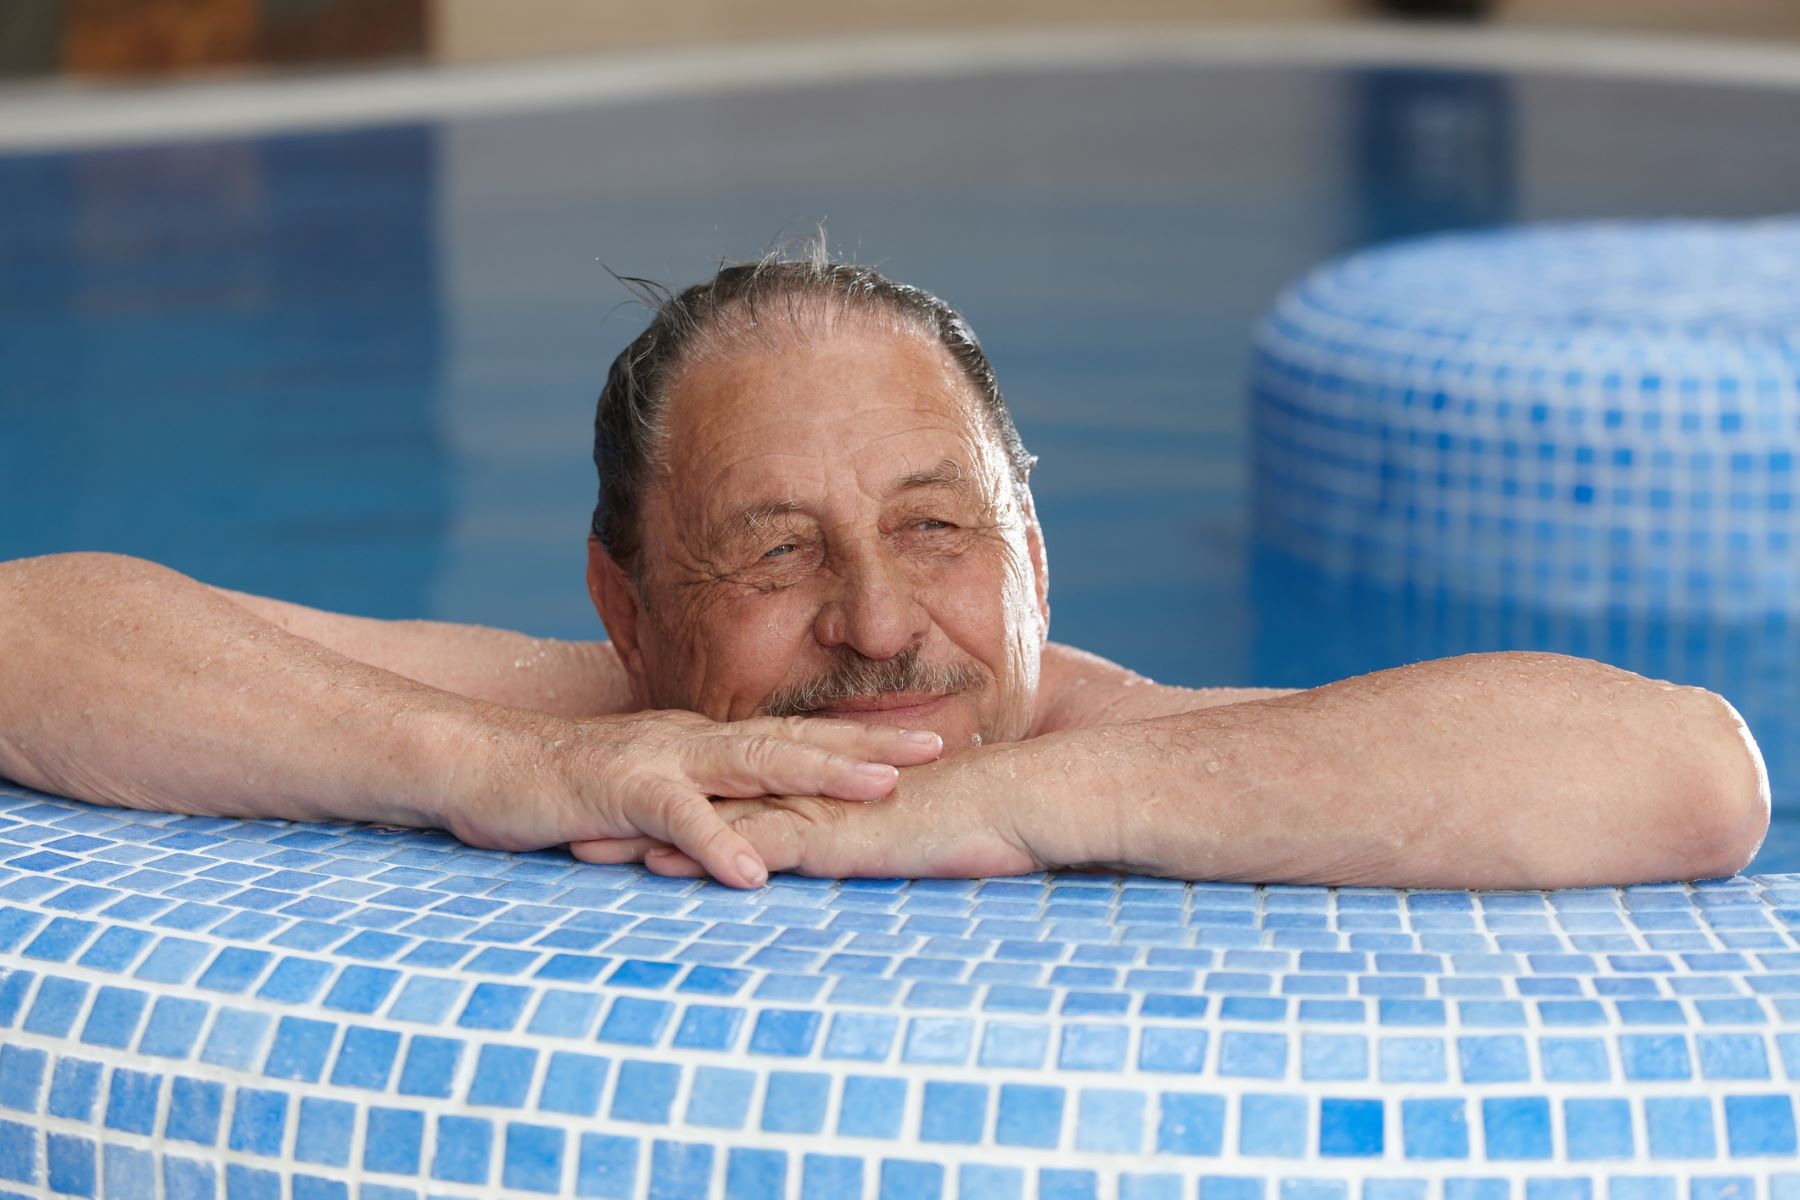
1430 150
1351 624
224 357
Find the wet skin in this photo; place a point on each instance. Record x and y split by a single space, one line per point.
828 495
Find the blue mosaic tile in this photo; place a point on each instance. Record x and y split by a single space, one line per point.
448 1027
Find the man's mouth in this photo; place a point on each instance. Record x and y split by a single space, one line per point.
886 706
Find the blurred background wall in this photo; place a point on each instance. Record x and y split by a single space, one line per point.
151 37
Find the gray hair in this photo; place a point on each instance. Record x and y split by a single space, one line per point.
713 316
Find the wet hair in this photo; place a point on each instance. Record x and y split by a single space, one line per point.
804 291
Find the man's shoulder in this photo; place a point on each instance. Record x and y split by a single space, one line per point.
1077 689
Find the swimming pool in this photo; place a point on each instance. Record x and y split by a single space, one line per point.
355 368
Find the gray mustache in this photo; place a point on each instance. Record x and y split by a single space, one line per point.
855 677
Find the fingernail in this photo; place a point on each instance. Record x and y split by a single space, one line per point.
879 771
920 737
752 870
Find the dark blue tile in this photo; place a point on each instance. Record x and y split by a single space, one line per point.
74 1086
113 1020
1350 1128
131 1101
69 1165
1760 1125
365 1059
532 1159
258 1121
21 1077
195 1106
493 1006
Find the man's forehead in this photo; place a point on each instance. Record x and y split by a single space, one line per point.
726 513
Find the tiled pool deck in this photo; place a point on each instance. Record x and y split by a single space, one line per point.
198 1007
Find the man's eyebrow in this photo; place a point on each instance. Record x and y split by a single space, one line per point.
946 471
749 518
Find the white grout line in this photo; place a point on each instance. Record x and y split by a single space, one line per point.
71 115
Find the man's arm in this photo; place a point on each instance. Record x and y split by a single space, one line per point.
1492 771
125 683
564 679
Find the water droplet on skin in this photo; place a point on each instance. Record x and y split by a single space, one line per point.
1212 766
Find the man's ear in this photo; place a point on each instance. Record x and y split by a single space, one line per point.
1040 561
616 599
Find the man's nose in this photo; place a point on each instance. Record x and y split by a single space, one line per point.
875 609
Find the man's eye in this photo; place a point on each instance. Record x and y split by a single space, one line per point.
783 549
931 525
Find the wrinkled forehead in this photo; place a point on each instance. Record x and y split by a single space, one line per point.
765 419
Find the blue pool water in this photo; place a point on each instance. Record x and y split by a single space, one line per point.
356 369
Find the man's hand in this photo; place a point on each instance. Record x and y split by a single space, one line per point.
654 775
945 819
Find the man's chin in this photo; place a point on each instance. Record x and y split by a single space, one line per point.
951 716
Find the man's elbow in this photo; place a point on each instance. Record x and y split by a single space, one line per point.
1725 809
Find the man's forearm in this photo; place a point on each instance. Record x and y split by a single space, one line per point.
1504 770
125 683
566 679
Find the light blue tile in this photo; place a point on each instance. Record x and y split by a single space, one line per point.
953 1112
1434 1128
1190 1123
573 1083
1109 1120
794 1101
872 1106
1273 1125
1679 1127
645 1091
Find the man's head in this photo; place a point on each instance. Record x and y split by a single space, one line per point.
813 501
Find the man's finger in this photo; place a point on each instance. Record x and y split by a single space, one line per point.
612 851
765 764
869 741
694 828
670 861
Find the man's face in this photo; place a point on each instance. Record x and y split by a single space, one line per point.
838 534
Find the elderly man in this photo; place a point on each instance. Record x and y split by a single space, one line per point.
816 556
